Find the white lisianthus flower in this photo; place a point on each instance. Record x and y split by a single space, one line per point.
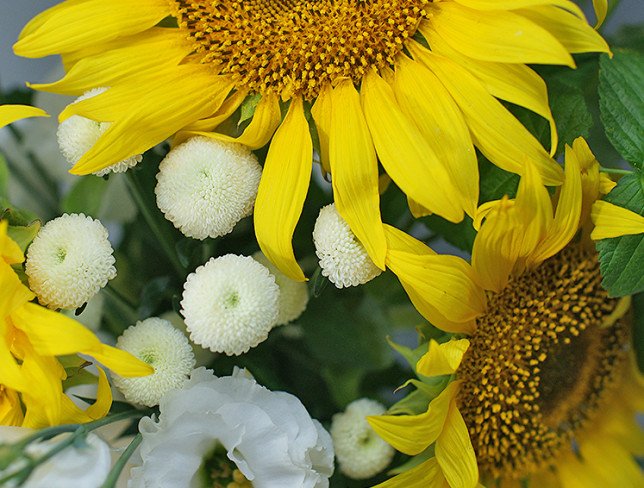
230 304
78 134
360 452
204 186
155 341
268 437
343 259
69 261
294 295
83 464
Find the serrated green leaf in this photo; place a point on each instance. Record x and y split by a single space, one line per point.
570 112
86 196
621 102
496 182
621 259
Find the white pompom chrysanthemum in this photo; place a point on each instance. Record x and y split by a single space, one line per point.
69 261
204 187
294 295
360 452
156 342
230 304
343 258
78 134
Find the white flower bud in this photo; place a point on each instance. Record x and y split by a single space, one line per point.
204 187
156 342
230 304
69 261
343 258
360 452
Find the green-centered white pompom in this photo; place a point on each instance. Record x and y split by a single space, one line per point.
343 258
230 304
204 186
77 135
156 342
294 295
69 261
360 452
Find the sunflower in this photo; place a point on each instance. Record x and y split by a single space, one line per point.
413 84
31 340
543 387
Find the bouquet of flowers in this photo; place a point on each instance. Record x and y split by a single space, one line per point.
323 243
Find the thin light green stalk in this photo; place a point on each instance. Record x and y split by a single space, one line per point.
117 469
615 171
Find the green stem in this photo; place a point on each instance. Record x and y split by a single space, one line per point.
164 240
44 198
615 171
117 296
117 469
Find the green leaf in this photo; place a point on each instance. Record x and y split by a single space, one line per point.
86 196
621 259
24 234
460 235
248 107
621 102
15 216
4 178
570 112
495 182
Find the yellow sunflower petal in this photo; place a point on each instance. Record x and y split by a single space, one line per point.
574 33
454 452
613 221
354 170
321 112
445 282
436 318
154 115
265 121
442 358
101 407
53 334
426 101
69 26
404 153
11 113
426 475
11 375
282 190
499 136
10 251
611 464
601 9
412 434
516 4
500 36
14 294
144 52
10 408
515 83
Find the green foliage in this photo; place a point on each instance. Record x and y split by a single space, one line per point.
622 258
4 178
86 196
638 329
621 101
248 107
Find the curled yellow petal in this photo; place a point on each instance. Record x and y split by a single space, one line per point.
11 113
282 190
613 221
442 358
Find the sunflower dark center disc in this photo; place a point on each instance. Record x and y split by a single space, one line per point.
292 46
540 364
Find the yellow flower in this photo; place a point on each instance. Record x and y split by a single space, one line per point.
31 338
363 70
12 113
545 387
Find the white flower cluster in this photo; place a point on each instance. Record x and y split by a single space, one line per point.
204 187
69 261
156 342
78 134
360 452
343 258
268 436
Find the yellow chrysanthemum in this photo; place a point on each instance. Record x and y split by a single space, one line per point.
31 338
413 84
11 113
545 388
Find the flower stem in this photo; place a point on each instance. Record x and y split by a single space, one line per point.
615 171
117 469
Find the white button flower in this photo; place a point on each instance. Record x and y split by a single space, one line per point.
343 258
294 295
204 187
230 304
166 349
78 134
360 452
69 261
268 436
